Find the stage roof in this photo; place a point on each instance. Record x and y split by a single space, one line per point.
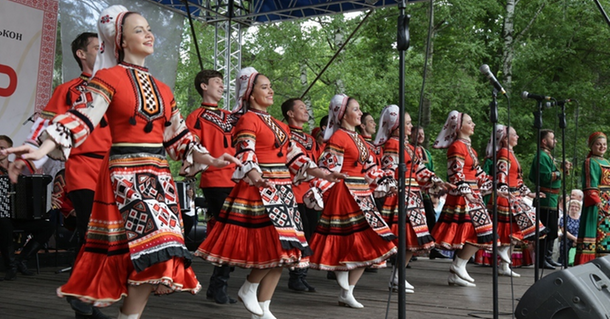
251 12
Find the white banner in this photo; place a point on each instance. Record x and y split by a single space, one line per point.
27 54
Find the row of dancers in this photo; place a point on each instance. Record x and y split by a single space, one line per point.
265 182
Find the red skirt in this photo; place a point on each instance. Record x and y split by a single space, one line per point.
244 236
343 239
454 227
104 267
389 213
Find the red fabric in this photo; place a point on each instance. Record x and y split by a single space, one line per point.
349 242
104 268
243 235
81 171
213 135
309 147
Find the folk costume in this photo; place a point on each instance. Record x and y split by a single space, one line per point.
425 157
214 128
510 182
462 220
594 233
417 179
350 233
550 183
309 147
260 227
82 170
516 219
135 231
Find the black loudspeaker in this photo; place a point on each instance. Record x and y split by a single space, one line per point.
603 263
580 292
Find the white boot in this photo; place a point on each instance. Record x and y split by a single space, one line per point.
247 295
506 271
503 252
458 267
342 279
124 316
266 313
455 280
393 284
346 298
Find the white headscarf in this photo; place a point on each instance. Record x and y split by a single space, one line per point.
244 84
336 110
450 130
501 133
109 30
388 122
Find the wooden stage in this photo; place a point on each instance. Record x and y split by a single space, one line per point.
34 297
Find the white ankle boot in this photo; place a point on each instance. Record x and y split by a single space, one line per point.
455 280
458 267
346 298
505 270
266 312
342 279
247 295
503 253
124 316
393 284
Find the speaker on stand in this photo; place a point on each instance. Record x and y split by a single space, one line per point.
581 292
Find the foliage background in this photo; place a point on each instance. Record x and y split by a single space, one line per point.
559 48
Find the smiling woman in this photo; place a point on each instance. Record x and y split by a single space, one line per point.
134 244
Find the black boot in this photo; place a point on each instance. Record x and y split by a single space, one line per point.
294 282
310 288
549 254
542 258
217 290
30 249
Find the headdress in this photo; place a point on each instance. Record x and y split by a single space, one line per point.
336 111
109 30
450 130
501 133
244 84
388 122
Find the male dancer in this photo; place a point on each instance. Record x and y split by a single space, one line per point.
84 164
214 127
550 183
295 112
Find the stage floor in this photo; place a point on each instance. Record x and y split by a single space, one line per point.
34 297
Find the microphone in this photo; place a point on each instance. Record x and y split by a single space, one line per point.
30 119
527 95
562 103
485 70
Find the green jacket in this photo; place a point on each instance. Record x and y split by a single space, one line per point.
550 179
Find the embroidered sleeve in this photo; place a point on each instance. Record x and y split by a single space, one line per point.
298 163
590 181
502 171
72 128
455 170
180 143
484 181
244 140
389 161
331 160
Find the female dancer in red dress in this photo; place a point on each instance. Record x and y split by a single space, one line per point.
417 178
134 244
464 224
516 219
351 234
259 226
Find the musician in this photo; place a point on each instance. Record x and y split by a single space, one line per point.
41 229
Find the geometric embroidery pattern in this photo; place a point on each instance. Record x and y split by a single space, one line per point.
5 199
221 120
148 99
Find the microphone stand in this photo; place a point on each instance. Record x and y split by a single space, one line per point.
493 118
562 126
538 126
402 46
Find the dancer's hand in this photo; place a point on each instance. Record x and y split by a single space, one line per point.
224 160
335 177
